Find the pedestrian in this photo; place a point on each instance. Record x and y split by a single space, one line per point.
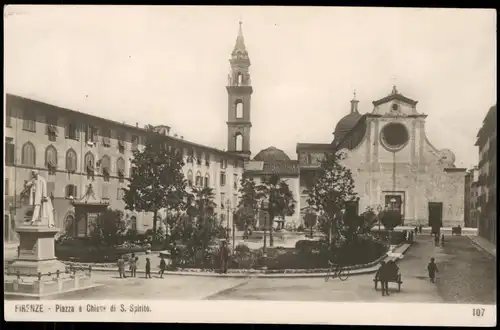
173 255
432 269
121 267
436 239
224 257
382 278
148 268
163 266
416 230
442 240
135 264
420 227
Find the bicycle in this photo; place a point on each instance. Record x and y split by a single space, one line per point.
336 271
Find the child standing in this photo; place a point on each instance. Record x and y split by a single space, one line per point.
432 269
148 268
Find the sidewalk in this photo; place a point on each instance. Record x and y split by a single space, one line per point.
484 244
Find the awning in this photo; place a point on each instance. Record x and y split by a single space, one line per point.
51 164
121 144
121 173
105 170
106 141
52 129
90 168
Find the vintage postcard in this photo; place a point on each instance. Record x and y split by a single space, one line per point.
312 165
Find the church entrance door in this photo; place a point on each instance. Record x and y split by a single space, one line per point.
435 217
395 202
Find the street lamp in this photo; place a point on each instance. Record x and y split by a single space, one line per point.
228 207
265 207
379 209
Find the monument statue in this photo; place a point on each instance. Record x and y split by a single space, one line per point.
43 212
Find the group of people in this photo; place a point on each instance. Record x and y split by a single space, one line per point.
224 255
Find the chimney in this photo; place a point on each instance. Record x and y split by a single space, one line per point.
182 137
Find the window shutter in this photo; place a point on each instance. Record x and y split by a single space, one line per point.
96 134
77 132
66 131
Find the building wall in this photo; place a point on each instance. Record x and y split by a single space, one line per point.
16 174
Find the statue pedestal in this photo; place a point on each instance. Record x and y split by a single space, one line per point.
36 252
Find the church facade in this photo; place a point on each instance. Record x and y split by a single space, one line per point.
393 163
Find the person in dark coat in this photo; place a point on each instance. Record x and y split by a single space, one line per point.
173 255
148 268
442 240
163 266
382 277
432 269
224 257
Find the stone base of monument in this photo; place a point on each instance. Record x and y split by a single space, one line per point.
36 273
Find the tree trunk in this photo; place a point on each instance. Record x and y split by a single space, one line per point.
154 227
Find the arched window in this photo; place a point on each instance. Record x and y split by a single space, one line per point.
105 167
71 160
89 164
199 179
120 168
190 178
239 142
239 78
28 154
69 224
239 108
133 222
51 159
207 180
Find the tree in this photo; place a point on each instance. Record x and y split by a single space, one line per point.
248 205
331 188
279 197
157 180
109 228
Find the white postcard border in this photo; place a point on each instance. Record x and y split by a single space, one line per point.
257 312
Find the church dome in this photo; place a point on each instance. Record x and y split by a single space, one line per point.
271 154
347 123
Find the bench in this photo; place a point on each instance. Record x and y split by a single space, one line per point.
392 279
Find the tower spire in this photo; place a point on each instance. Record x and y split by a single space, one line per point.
354 104
240 41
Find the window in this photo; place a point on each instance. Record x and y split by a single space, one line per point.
89 165
238 140
309 159
91 134
52 130
8 117
29 121
135 142
71 191
51 159
222 217
120 168
190 178
198 158
239 109
190 155
51 188
207 159
105 191
106 137
105 167
6 187
222 200
121 142
71 160
133 223
235 181
199 179
239 79
28 154
9 151
207 180
72 132
223 163
222 178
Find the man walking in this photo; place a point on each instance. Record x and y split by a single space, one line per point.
382 277
432 269
224 257
121 267
148 268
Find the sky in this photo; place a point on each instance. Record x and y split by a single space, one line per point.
169 65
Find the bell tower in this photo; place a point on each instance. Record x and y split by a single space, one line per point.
239 92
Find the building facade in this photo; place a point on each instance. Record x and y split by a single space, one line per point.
487 145
393 163
472 197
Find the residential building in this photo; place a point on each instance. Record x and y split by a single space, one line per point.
487 144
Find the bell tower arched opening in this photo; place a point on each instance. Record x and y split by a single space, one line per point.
238 141
239 109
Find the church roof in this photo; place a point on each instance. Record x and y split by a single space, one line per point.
271 154
349 121
395 95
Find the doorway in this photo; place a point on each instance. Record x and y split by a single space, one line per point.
395 202
435 216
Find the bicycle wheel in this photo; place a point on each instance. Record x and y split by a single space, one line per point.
328 275
343 274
